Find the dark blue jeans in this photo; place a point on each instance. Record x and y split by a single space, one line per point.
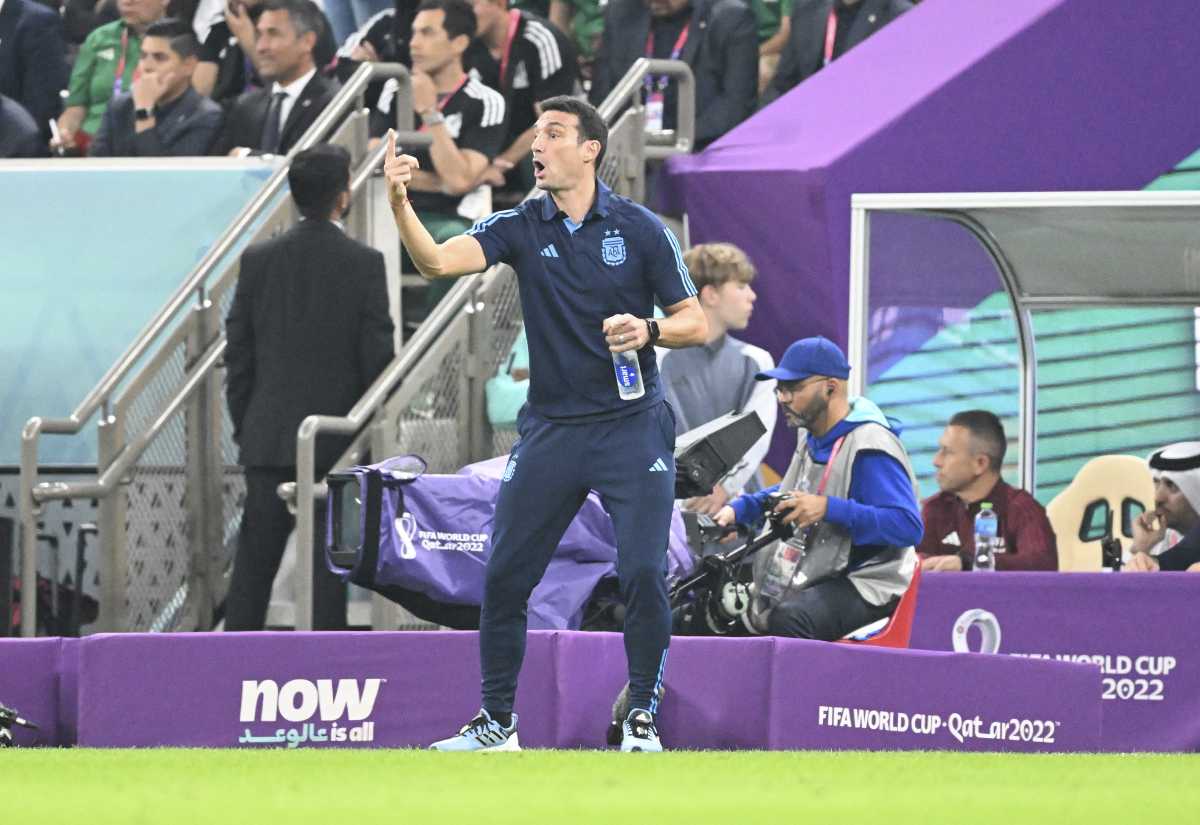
825 611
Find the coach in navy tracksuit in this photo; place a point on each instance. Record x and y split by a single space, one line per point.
590 265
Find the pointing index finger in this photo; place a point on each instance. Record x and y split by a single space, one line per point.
391 144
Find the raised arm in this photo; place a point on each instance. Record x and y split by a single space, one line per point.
461 255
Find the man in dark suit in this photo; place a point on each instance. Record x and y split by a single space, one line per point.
810 47
307 334
162 114
33 59
717 38
272 119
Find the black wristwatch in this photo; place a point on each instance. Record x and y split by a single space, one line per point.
143 114
655 332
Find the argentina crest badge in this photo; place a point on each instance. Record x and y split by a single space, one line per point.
613 247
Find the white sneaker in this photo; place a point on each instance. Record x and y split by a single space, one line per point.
639 733
483 733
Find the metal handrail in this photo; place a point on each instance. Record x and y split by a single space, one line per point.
629 87
110 478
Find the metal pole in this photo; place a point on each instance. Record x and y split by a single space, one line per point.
114 558
1026 354
476 367
28 512
302 586
860 284
6 568
202 478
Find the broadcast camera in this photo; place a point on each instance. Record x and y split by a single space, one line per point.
8 718
717 587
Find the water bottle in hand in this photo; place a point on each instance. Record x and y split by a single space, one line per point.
987 528
629 375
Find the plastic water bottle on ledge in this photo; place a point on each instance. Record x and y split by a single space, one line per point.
987 528
629 375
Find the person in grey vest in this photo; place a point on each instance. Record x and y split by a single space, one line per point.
851 495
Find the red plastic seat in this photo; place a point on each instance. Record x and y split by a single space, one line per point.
898 629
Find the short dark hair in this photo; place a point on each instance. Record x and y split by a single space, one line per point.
317 176
305 15
986 429
460 16
179 36
591 125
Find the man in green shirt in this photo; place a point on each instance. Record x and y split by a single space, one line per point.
105 68
774 25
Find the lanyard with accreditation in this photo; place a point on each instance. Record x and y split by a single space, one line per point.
656 87
444 99
781 571
514 20
119 80
830 34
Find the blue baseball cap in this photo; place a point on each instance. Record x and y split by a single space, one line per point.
808 357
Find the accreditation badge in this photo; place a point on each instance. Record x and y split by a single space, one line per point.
655 105
782 568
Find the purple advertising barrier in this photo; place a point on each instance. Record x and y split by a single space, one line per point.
30 683
784 694
293 689
717 690
846 697
1137 628
408 689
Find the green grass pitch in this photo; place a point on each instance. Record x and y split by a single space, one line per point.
89 787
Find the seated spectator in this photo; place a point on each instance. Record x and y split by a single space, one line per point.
706 382
229 62
774 25
717 38
851 485
968 461
466 120
809 47
33 60
583 20
106 67
528 60
385 38
1176 471
272 119
19 135
162 114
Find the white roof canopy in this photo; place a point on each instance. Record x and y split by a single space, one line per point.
1051 250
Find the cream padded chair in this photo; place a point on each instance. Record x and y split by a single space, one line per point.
1108 486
